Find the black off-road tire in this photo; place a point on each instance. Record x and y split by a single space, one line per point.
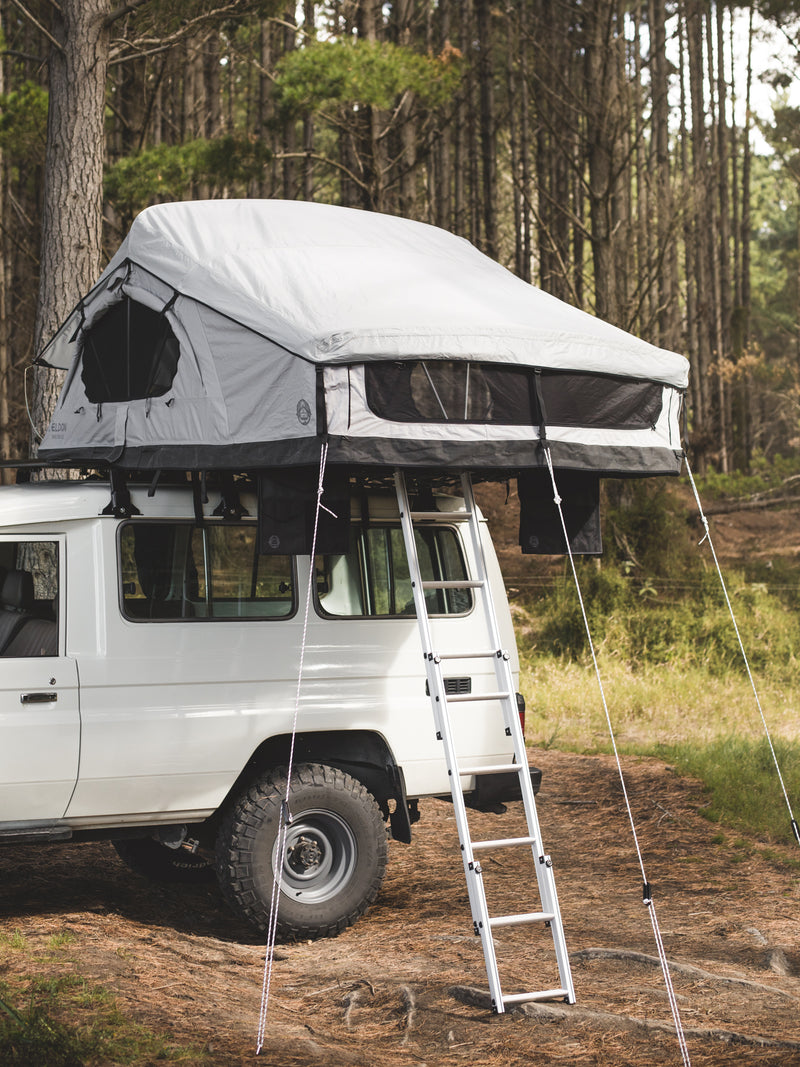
334 857
173 866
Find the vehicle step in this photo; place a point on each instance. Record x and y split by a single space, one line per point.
503 842
492 768
484 653
465 583
522 920
544 994
477 696
438 516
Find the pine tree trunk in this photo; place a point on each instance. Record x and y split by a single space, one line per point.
73 180
289 126
483 15
602 98
408 127
666 235
703 436
747 400
309 18
512 88
525 146
5 356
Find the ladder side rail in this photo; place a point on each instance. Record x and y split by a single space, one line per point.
472 869
543 866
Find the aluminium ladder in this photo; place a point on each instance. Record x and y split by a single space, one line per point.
505 696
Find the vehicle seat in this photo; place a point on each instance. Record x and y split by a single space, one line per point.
16 604
36 637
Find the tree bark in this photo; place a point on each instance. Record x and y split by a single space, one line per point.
483 15
5 361
605 138
73 179
697 246
668 311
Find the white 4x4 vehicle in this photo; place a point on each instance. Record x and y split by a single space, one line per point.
148 691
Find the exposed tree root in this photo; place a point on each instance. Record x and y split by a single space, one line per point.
410 1003
573 1013
676 968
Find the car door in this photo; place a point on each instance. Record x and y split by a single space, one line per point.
39 709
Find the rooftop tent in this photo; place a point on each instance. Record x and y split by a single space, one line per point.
235 334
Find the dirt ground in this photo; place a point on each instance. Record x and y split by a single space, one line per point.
395 988
398 988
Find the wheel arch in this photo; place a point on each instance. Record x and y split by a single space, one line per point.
363 754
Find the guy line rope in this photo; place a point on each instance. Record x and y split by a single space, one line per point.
647 896
707 537
285 817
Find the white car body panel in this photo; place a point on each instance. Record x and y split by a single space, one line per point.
168 713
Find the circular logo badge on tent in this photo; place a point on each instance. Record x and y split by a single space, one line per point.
303 412
274 542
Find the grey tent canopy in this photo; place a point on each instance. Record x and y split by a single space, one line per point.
237 334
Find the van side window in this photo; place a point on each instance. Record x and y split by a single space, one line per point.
28 599
373 579
180 571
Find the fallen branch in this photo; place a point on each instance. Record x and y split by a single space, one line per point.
728 506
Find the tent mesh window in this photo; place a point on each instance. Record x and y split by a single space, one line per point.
449 391
459 391
130 353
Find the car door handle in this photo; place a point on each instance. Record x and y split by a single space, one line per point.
38 698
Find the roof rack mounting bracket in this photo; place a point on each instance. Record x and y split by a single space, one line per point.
120 506
230 506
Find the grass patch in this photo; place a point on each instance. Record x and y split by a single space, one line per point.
742 784
66 1022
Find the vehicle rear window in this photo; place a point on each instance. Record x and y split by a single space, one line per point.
185 572
372 579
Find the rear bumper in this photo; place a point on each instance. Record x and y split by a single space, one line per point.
493 790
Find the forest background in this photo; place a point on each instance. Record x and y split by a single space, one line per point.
608 152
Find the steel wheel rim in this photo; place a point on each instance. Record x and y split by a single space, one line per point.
319 856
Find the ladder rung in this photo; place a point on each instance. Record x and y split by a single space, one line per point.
521 920
496 768
456 697
437 516
545 994
503 842
463 584
488 653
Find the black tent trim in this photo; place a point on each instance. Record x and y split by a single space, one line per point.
378 452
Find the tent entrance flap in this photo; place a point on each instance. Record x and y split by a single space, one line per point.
129 353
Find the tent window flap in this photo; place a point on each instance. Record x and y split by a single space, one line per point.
129 353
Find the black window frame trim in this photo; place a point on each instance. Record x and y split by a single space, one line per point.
192 619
